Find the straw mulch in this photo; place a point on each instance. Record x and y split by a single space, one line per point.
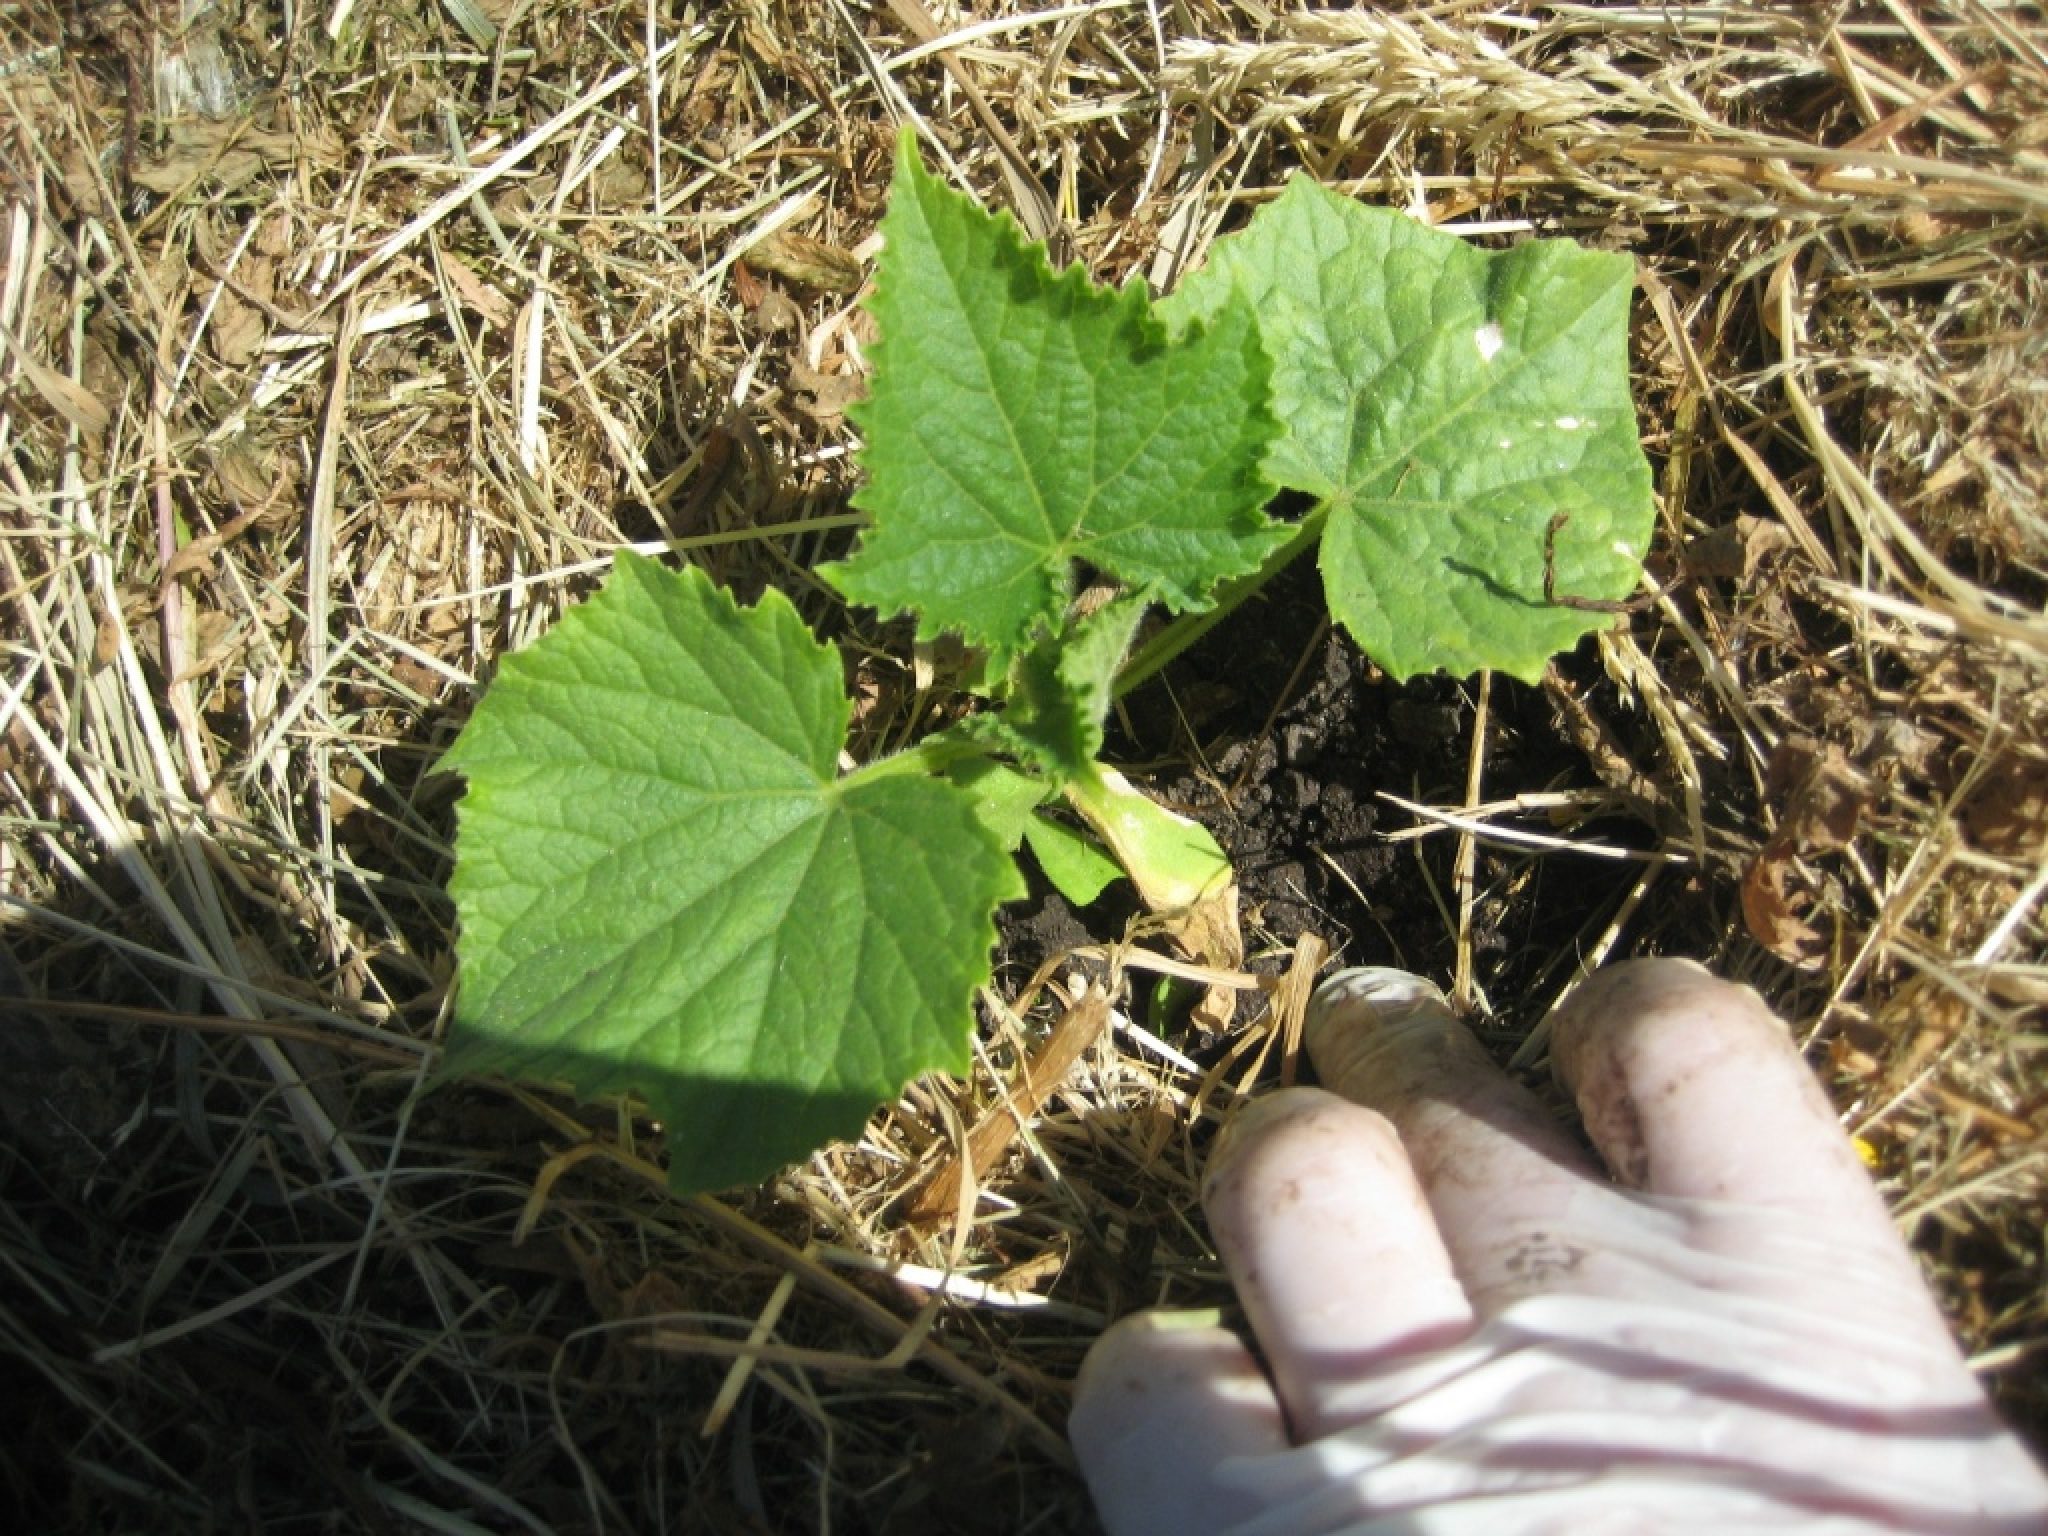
341 348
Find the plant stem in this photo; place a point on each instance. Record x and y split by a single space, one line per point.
1173 861
934 755
1157 653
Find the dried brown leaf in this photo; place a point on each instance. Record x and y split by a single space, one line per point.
808 263
1770 910
68 398
1737 550
1820 795
477 296
1820 799
2008 815
1208 933
823 396
238 331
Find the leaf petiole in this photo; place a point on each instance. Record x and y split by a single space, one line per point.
1158 653
929 758
1174 862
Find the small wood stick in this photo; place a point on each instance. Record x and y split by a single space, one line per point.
1559 599
1290 1001
1044 1071
1468 846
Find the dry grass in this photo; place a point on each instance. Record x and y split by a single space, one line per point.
335 362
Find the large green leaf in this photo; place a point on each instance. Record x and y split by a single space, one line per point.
1444 404
665 890
1022 420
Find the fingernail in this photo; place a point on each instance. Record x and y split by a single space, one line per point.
1383 993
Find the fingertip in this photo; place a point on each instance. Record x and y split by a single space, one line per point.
1690 1086
1389 1040
1161 1400
1332 1246
1356 1014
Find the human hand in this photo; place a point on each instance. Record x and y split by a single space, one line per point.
1469 1328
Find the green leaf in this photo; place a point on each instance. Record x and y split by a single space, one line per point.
1004 799
1061 691
1444 404
1022 420
665 890
1078 869
1007 802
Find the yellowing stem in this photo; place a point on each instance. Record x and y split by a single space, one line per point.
1173 861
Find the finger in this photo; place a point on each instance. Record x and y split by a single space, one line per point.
1332 1248
1163 1399
1495 1167
1690 1086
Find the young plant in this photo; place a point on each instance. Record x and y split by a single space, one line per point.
666 885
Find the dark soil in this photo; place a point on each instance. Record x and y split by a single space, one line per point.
1280 736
